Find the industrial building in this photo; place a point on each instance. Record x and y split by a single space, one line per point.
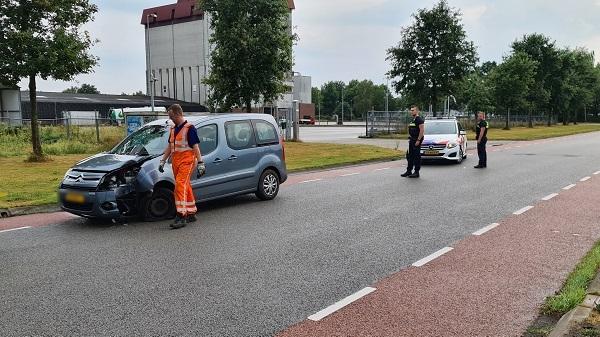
178 56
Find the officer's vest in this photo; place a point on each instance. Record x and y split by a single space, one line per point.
180 143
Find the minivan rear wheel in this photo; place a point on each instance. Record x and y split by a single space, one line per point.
160 205
268 185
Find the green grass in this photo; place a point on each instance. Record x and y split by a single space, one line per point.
523 133
307 156
574 289
15 142
34 184
539 132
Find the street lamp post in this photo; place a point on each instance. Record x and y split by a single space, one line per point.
149 59
342 106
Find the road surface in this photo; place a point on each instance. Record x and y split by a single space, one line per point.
251 268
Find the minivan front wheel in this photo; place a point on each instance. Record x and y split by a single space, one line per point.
268 185
160 205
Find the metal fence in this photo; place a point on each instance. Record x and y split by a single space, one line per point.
386 122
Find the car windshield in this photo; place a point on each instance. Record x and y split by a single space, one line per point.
440 128
150 140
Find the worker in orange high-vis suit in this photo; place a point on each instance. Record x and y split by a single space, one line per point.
184 147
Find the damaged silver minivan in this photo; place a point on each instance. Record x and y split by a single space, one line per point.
243 154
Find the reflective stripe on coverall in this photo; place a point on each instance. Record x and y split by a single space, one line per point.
184 161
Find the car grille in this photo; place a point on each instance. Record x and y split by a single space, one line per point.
87 207
438 147
79 188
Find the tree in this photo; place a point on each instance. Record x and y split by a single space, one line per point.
252 51
512 80
331 97
541 49
44 39
475 92
70 90
88 89
433 55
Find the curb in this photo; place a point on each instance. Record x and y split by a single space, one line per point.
18 211
581 312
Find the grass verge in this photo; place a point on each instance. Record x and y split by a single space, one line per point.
523 134
574 289
34 184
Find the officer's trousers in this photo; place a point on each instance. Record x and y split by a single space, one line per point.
413 156
482 153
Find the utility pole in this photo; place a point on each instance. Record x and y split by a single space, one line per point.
149 59
342 123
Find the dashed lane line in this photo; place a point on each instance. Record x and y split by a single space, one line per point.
383 169
432 257
566 188
596 173
350 174
523 210
486 229
14 229
339 305
550 197
310 181
585 179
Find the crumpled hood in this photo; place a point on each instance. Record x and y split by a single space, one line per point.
105 162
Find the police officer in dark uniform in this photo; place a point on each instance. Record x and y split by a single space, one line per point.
416 132
481 133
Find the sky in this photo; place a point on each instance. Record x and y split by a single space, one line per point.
345 39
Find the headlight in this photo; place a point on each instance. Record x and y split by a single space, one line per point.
67 174
119 178
451 145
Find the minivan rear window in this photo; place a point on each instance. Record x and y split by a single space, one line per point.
265 133
239 135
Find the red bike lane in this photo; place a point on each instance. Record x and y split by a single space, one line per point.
491 284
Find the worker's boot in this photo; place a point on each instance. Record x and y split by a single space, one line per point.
179 222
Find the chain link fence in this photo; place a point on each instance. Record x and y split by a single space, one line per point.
386 122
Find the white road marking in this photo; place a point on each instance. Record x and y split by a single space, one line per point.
576 234
596 173
555 232
339 305
14 229
585 179
383 169
523 210
550 197
486 229
569 187
432 257
350 174
310 181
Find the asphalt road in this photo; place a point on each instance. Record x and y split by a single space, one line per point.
251 268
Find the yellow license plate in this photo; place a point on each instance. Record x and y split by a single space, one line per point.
432 152
75 198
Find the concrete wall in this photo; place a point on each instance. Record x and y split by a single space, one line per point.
180 60
10 106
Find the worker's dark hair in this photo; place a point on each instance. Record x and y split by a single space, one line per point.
176 109
415 106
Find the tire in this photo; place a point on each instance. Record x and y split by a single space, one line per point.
461 156
159 206
268 185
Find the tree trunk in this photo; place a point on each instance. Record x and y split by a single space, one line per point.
530 124
507 127
434 99
37 154
565 118
248 106
550 115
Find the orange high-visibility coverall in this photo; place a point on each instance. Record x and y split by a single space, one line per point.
184 161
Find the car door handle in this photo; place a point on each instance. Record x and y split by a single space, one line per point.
234 157
218 160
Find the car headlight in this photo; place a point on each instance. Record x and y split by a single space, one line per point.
119 178
67 174
451 145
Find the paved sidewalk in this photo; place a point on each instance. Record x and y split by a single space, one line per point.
488 285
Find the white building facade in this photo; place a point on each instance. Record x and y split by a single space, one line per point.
178 52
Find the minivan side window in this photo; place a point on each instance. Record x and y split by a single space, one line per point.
209 138
265 133
239 135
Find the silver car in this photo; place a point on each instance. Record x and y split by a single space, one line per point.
243 154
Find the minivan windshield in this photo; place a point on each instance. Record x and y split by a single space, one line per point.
440 128
150 140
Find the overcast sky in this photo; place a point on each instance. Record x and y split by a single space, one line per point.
346 39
